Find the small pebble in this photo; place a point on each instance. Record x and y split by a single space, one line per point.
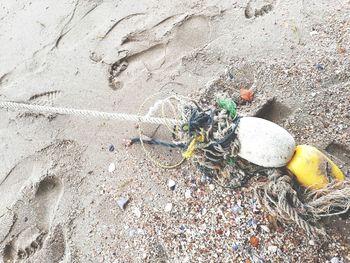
140 231
188 194
272 249
204 179
311 242
235 247
122 202
171 184
211 187
265 228
111 148
131 232
252 223
111 167
254 241
220 232
319 66
168 207
236 209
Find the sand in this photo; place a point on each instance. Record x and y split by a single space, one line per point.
58 198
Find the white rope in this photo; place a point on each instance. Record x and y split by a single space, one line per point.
16 106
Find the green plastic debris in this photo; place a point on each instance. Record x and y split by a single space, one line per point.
230 161
228 105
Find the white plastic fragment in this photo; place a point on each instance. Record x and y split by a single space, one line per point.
264 143
188 193
111 167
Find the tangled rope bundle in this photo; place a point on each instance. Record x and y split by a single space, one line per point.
280 199
209 138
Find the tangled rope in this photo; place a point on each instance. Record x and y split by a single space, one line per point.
208 135
280 199
177 111
329 201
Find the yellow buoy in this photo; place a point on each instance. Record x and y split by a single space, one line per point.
312 168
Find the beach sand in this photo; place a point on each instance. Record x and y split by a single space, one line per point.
58 199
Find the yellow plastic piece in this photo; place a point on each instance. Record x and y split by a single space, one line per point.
190 149
311 167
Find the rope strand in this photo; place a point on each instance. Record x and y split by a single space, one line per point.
16 106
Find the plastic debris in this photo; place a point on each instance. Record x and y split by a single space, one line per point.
264 143
122 202
188 193
228 105
192 147
312 168
111 167
246 94
217 142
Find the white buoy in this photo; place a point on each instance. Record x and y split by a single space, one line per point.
264 143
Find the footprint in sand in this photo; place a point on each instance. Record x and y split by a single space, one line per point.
37 215
28 232
150 53
256 8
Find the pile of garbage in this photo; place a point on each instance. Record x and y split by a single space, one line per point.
303 185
